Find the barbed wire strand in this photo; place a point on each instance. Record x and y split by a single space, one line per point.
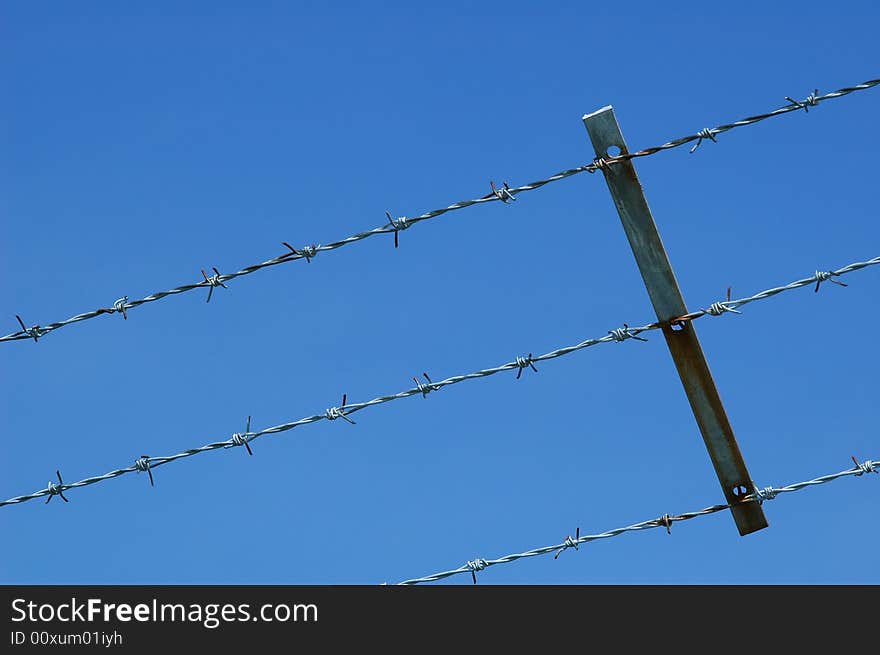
816 279
395 225
424 388
794 105
665 521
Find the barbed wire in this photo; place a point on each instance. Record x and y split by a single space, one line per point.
665 521
394 226
710 133
717 308
521 363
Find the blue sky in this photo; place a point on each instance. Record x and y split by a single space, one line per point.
142 144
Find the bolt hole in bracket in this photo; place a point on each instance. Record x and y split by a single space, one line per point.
740 491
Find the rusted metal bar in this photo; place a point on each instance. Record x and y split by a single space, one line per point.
681 337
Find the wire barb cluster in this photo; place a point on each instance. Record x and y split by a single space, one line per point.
706 133
626 332
569 543
718 308
213 281
333 413
34 332
397 224
810 101
505 194
827 276
665 521
53 489
142 464
121 306
476 565
424 388
242 438
524 363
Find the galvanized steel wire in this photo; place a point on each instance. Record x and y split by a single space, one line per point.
395 225
472 567
519 364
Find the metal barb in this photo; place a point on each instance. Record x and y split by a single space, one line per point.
213 281
524 362
827 276
307 252
718 308
121 306
705 133
242 439
624 333
34 331
810 101
599 164
569 543
503 194
666 521
56 489
398 224
142 463
333 413
865 467
425 389
767 493
476 565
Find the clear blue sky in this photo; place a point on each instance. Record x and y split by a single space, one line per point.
141 144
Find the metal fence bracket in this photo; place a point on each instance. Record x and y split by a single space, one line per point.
638 223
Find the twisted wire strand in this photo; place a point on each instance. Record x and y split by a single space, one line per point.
395 225
613 336
793 105
817 277
664 521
